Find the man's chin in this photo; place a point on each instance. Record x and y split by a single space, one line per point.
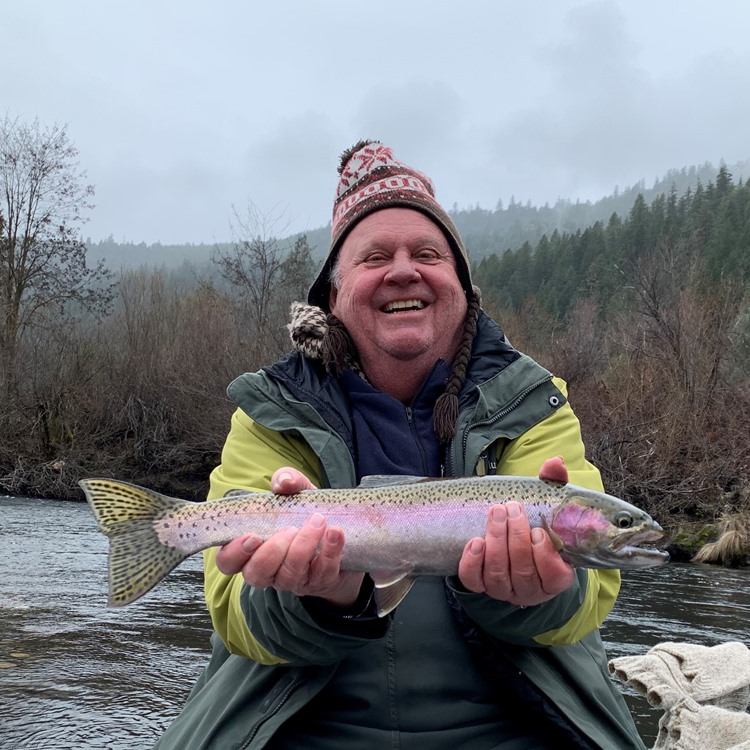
407 348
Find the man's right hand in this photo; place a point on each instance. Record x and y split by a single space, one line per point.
305 561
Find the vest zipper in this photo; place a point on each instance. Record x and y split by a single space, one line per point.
415 435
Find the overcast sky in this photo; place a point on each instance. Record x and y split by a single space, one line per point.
183 109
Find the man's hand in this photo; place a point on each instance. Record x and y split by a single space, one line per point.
514 562
305 561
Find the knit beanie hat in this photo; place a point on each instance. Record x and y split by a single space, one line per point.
370 179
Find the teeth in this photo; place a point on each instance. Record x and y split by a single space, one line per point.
409 304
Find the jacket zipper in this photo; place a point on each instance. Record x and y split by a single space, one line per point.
503 412
279 705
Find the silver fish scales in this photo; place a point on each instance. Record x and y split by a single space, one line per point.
395 527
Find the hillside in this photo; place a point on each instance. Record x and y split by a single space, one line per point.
484 231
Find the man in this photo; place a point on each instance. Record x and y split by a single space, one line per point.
398 371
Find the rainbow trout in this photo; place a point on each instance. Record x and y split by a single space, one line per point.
395 528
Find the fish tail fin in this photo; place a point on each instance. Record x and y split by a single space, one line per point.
138 559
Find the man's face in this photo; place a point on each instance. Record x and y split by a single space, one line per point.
398 292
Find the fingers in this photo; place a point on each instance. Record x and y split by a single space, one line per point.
471 566
232 557
264 565
326 567
287 481
514 563
554 470
296 567
499 575
554 573
305 561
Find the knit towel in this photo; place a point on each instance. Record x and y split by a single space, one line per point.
690 726
716 675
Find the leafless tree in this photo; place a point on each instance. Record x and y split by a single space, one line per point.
267 275
44 274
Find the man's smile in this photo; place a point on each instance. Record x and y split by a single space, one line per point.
404 305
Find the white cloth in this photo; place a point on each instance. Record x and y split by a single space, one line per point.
690 726
704 691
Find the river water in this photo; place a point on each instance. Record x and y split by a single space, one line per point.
75 675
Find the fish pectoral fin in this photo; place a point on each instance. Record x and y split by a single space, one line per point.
553 535
390 592
389 480
383 578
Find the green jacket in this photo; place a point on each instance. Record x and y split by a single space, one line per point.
273 652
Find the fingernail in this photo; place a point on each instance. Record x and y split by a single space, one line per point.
514 510
476 546
537 536
499 514
316 520
285 476
251 544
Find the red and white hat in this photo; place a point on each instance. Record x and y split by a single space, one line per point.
371 179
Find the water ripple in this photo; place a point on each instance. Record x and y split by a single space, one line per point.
87 677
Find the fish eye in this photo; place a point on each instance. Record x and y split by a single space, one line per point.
623 520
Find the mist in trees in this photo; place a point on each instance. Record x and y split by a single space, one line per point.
265 274
122 375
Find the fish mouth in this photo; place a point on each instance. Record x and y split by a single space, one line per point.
626 548
635 537
624 551
407 305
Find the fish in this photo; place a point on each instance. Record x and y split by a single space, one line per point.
396 528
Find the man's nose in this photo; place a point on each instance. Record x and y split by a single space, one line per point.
403 268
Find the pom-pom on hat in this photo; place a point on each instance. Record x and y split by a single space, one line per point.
371 179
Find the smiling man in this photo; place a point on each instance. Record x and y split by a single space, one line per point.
397 370
396 291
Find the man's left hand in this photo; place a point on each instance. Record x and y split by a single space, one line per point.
514 562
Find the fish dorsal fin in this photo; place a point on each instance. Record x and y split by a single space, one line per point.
391 586
236 493
389 480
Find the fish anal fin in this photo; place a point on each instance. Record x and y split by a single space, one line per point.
389 595
383 578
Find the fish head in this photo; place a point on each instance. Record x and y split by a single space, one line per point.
597 530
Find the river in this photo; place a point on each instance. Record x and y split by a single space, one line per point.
75 675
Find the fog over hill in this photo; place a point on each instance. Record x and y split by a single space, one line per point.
485 230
